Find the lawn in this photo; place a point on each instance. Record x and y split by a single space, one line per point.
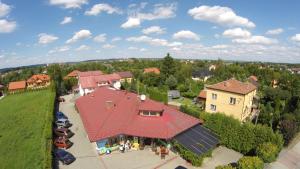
26 130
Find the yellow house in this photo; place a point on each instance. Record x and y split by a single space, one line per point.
125 76
233 98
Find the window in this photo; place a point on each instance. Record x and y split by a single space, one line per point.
149 113
214 96
232 100
213 107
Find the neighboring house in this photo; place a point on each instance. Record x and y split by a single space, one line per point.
274 83
16 86
112 117
90 81
90 73
295 70
254 80
125 76
173 94
202 75
1 90
38 81
232 97
201 98
73 74
152 70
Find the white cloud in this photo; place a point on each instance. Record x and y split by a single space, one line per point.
186 34
131 23
100 38
7 26
236 33
69 3
152 41
133 48
154 30
256 40
82 48
173 44
82 34
274 31
59 49
98 8
4 9
46 38
143 50
296 38
160 11
108 46
115 39
66 20
221 15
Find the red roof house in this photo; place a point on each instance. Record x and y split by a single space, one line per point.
107 113
152 70
90 73
73 74
38 80
16 86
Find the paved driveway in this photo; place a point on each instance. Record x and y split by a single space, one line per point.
87 157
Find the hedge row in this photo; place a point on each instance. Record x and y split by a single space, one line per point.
158 95
243 138
190 111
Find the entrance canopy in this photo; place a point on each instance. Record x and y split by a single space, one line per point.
197 139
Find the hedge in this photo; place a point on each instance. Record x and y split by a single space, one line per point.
250 163
267 152
194 159
240 137
190 111
158 95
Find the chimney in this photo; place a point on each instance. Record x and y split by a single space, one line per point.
109 104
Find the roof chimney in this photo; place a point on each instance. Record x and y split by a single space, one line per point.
109 104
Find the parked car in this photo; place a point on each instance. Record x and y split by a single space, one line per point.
63 142
63 132
60 115
64 156
63 123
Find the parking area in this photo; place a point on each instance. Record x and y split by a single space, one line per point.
87 157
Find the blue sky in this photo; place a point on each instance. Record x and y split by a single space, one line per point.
49 31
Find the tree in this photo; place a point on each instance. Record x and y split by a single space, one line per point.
288 128
168 66
171 82
267 152
247 162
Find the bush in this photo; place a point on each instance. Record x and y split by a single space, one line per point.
267 152
158 95
190 111
250 163
189 94
225 167
243 138
189 156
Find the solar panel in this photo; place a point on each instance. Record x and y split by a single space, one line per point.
197 139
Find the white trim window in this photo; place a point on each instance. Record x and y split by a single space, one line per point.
214 96
232 100
213 107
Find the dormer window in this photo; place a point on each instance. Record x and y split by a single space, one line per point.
150 113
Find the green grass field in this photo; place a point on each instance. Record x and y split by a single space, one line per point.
26 130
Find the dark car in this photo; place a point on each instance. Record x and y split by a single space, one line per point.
63 132
64 156
60 115
63 142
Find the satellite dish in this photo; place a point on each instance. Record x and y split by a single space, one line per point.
143 97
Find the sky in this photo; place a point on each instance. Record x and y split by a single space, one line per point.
47 31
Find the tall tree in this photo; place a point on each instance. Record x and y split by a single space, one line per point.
168 66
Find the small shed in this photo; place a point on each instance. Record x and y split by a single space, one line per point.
173 94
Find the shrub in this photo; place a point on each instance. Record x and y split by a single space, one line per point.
189 94
190 111
243 138
267 152
225 167
157 95
247 162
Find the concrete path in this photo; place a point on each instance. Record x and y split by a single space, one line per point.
289 158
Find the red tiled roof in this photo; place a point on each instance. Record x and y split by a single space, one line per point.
152 70
37 77
253 78
202 94
92 81
233 86
17 85
74 73
126 74
90 73
106 113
